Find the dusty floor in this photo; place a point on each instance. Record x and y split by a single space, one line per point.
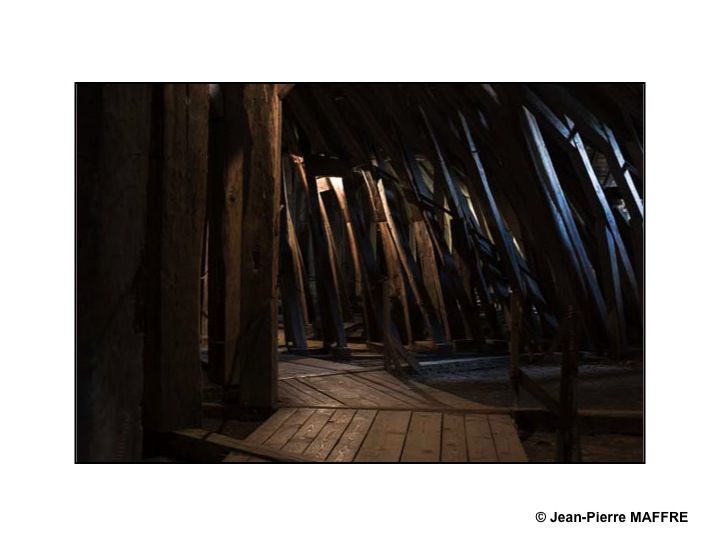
595 448
601 386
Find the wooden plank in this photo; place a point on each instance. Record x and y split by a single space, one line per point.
288 370
386 382
422 444
352 393
205 446
255 359
384 441
427 395
315 394
347 447
288 396
270 426
507 443
330 434
314 397
308 431
334 366
385 397
454 444
480 443
289 428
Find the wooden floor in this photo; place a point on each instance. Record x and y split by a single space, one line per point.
341 413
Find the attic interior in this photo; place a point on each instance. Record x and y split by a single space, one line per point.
360 272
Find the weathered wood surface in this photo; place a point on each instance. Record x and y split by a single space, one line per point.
201 445
364 388
177 207
383 436
255 360
225 192
113 149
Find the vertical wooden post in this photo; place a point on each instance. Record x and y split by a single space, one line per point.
292 286
255 360
225 192
113 123
172 354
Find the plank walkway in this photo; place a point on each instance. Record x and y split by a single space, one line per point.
336 412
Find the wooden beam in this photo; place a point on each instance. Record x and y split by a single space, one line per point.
283 89
225 192
333 330
201 445
588 288
172 357
292 284
113 146
255 360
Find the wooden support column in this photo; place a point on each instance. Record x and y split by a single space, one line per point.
113 126
176 224
225 193
291 276
255 360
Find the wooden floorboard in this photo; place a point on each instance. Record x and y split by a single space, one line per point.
454 444
385 439
419 397
289 370
271 425
347 447
308 431
407 398
298 392
288 428
480 444
507 443
370 435
326 364
345 391
422 444
341 413
330 434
